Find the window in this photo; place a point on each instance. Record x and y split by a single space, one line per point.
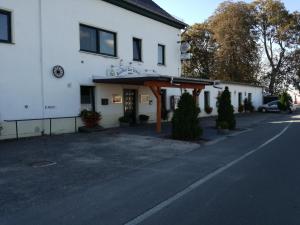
87 98
5 26
250 97
137 49
240 99
107 43
97 41
88 39
206 99
161 55
86 95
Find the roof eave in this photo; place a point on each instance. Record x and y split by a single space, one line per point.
126 5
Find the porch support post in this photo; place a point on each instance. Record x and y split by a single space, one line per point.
157 92
196 93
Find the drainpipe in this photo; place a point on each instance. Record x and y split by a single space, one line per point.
42 65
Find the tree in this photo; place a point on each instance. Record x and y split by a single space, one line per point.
225 110
185 122
285 101
203 49
292 68
237 57
278 31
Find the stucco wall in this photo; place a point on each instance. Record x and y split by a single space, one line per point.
23 76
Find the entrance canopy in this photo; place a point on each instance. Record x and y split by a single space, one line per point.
155 83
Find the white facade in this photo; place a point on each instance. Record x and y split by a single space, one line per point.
47 33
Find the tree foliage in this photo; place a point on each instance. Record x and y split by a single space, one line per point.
225 110
224 47
185 122
237 58
278 31
254 42
285 101
203 49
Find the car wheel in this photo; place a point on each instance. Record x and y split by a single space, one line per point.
263 110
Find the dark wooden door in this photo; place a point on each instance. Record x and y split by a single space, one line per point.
164 112
130 104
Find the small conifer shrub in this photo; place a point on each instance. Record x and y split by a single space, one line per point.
226 110
185 122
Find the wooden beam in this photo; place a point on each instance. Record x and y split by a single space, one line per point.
170 85
157 93
196 93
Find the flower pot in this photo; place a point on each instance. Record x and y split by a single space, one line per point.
91 122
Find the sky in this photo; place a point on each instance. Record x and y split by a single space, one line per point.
195 11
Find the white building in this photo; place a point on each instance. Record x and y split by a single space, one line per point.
51 53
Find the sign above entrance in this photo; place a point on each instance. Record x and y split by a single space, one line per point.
130 70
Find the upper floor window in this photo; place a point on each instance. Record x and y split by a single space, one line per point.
137 49
98 41
161 55
5 26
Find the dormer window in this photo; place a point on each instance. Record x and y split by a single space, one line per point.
5 27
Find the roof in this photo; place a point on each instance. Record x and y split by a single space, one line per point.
149 9
134 80
241 83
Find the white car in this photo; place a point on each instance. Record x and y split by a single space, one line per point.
273 107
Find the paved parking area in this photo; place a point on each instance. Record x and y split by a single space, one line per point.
82 160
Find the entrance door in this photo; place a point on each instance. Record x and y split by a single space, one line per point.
130 104
164 112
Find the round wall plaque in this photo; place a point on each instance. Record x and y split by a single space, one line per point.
58 71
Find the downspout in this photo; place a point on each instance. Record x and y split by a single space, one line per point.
42 65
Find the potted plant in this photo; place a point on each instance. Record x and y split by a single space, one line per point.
124 121
208 109
143 119
90 118
223 127
241 108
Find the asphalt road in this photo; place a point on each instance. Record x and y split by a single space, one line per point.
263 189
249 179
